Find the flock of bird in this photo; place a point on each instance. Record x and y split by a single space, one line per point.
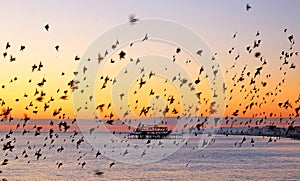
253 85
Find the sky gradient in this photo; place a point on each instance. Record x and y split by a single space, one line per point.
74 25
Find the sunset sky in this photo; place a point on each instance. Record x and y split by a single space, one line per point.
75 25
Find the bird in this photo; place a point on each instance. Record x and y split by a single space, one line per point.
12 59
77 58
145 38
98 172
257 55
121 96
47 27
22 48
234 35
64 97
57 47
34 67
4 54
40 66
148 141
248 7
258 71
142 82
7 46
199 52
291 39
257 33
133 19
111 164
270 140
235 113
109 122
59 164
122 55
5 162
98 154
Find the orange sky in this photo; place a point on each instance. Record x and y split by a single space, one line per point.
75 34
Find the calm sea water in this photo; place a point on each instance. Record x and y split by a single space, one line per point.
222 160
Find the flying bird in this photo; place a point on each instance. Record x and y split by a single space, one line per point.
122 55
248 7
199 52
22 48
57 47
133 19
7 45
76 58
47 27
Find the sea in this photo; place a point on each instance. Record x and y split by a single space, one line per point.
222 159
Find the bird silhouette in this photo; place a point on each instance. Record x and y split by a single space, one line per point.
22 48
7 45
133 19
111 164
47 27
248 7
57 47
122 55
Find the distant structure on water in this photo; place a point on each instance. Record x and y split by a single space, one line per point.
270 130
152 132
